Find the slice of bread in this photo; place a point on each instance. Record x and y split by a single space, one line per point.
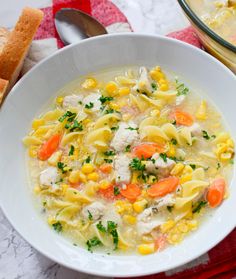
17 45
3 88
4 35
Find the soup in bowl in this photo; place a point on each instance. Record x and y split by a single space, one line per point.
128 150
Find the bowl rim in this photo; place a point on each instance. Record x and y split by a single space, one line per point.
196 20
37 247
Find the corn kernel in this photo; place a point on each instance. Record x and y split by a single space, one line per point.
185 178
87 168
33 151
139 206
183 228
155 112
59 100
123 207
201 113
156 74
145 249
123 91
74 176
93 176
36 123
82 177
177 169
104 184
89 83
167 226
111 87
86 121
114 106
171 151
130 219
162 81
164 87
37 189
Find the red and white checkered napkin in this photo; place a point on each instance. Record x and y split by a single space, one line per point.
220 262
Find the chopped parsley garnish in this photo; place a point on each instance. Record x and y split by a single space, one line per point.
154 85
218 166
80 103
89 106
67 126
163 157
199 206
170 208
174 141
115 128
90 216
109 153
205 135
77 126
57 226
100 227
174 122
87 160
193 166
128 148
104 99
44 203
213 136
110 110
137 90
116 191
93 242
69 114
136 164
181 88
61 166
132 129
72 149
112 230
75 244
109 161
231 161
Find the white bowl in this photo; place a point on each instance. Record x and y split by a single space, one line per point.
34 90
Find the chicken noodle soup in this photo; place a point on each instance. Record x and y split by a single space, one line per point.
128 160
219 15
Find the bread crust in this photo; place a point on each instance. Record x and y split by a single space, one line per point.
18 43
3 89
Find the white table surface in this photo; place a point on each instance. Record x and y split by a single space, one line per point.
17 258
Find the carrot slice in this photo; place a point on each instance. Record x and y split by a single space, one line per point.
105 168
183 118
109 193
131 192
146 150
49 147
216 192
163 187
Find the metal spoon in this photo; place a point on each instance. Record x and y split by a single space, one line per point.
74 25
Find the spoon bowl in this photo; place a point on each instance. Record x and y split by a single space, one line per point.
74 25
